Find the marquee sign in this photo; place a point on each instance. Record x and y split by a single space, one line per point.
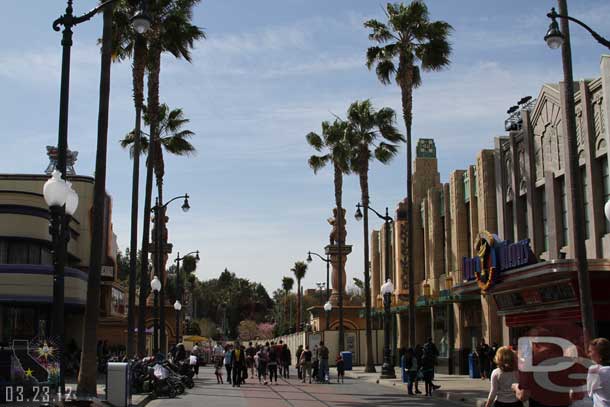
493 257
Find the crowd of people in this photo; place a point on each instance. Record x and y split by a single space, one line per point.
419 363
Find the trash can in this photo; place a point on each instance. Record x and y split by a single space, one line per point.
347 360
118 384
473 366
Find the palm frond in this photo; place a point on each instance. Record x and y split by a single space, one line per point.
316 163
385 152
385 70
128 142
315 141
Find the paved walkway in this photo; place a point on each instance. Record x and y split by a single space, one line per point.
292 393
472 392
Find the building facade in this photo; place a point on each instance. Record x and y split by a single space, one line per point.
493 247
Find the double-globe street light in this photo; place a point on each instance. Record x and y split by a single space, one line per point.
155 285
178 303
558 35
327 261
387 369
159 212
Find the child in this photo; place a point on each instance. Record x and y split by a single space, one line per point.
218 371
315 365
340 368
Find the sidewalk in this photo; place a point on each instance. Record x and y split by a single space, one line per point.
458 388
138 400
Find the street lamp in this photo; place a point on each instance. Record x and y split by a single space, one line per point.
63 202
177 304
159 212
155 285
559 35
327 261
328 307
387 370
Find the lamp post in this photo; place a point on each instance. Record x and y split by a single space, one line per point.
178 303
159 212
387 370
155 285
63 202
327 261
558 35
328 307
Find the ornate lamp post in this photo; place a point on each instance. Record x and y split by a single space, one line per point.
155 285
387 370
327 261
178 303
159 212
558 35
63 202
328 307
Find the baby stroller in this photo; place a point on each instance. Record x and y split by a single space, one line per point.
315 367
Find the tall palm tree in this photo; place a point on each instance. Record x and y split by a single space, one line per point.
407 41
334 142
287 284
127 43
372 136
299 269
171 31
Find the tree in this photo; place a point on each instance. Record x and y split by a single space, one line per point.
372 136
333 141
407 41
127 43
287 284
299 269
247 330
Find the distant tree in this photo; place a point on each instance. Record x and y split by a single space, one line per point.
247 330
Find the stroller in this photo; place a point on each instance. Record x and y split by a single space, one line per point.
315 370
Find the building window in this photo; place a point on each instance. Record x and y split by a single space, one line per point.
3 251
510 225
466 188
443 244
523 220
585 199
564 212
545 225
24 252
476 183
468 231
18 253
605 186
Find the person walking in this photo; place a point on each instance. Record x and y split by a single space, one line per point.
503 380
419 355
238 362
483 351
278 349
250 352
427 370
263 359
411 367
272 365
286 361
298 362
305 364
598 376
340 368
431 351
196 353
324 375
228 362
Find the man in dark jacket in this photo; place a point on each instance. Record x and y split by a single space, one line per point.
238 362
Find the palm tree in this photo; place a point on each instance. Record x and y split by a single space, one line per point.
127 43
334 141
287 284
408 40
372 136
299 269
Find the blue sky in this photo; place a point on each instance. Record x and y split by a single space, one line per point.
270 72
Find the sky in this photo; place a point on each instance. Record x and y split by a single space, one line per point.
270 72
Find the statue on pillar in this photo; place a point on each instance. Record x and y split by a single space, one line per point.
337 236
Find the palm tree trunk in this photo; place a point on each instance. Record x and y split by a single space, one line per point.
407 109
87 378
364 188
298 305
340 242
138 98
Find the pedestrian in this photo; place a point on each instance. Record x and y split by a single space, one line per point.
323 373
286 361
598 377
180 353
503 378
278 349
315 370
411 367
427 370
218 371
419 354
228 361
298 362
340 368
492 354
305 364
483 351
250 352
272 364
263 358
238 360
431 351
218 353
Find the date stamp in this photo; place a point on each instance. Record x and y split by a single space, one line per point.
33 394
